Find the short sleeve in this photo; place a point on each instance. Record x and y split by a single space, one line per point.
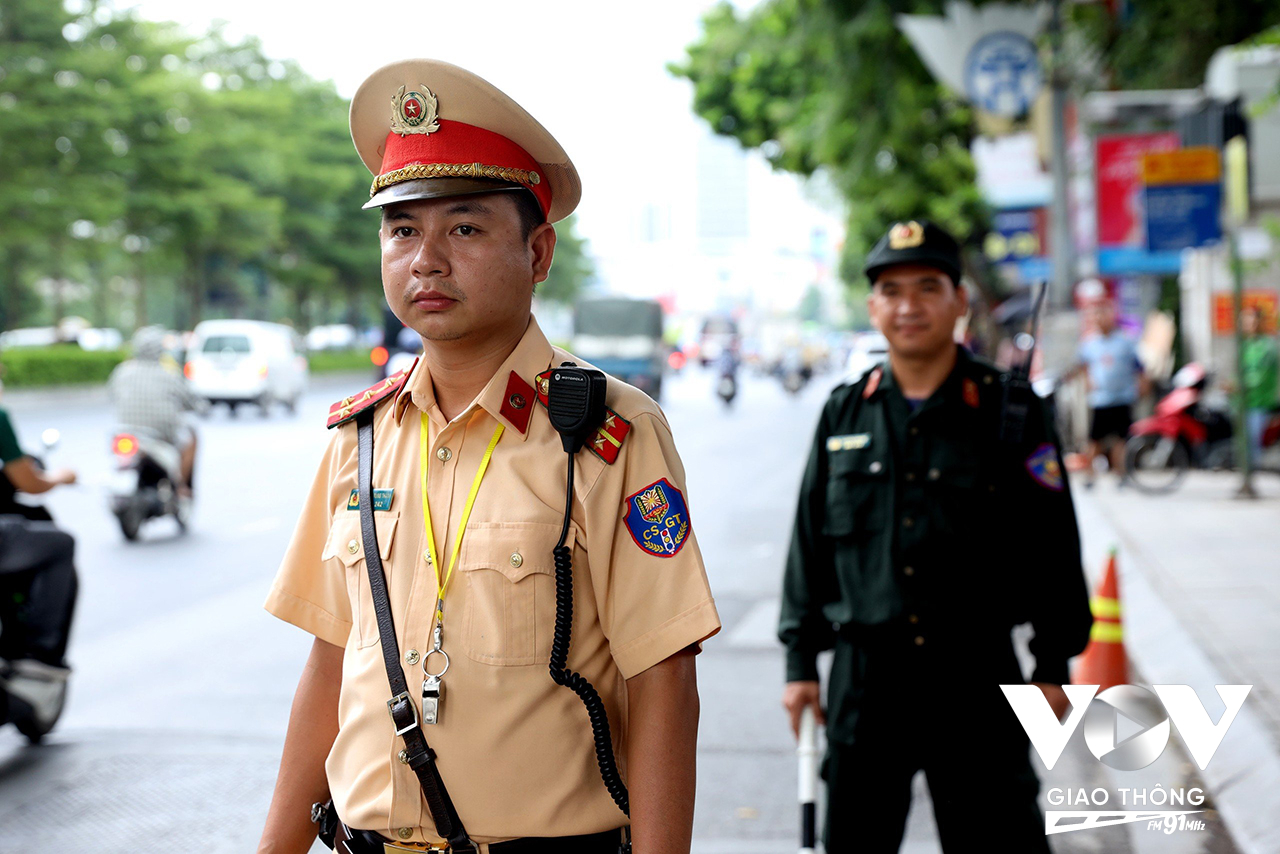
10 450
308 592
650 582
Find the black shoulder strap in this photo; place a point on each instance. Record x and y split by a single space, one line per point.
404 714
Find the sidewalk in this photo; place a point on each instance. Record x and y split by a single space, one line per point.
1200 587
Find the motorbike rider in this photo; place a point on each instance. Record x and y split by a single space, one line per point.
22 473
151 397
37 574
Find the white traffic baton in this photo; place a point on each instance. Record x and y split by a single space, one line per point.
809 756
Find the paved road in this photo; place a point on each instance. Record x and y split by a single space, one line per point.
183 683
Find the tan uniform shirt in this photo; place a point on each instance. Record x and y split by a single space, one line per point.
515 749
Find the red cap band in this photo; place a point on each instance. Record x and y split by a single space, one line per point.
458 143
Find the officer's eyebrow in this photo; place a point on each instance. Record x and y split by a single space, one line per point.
468 207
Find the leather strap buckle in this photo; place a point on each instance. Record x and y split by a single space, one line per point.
391 709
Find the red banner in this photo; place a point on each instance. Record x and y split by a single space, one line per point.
1118 169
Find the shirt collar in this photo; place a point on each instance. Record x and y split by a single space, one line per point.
531 357
947 393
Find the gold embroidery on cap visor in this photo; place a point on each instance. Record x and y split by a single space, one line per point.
906 235
415 112
453 170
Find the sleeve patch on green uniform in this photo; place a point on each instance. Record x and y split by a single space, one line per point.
1043 467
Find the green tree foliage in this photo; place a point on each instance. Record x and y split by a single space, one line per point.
833 86
175 176
572 270
1166 44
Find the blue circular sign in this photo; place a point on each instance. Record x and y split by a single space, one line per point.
1002 74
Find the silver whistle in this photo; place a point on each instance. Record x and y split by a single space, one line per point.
432 689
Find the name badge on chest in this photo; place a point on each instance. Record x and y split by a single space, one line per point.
381 499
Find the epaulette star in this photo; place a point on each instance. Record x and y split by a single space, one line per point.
349 407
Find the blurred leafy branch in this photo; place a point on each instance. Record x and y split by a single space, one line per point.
154 176
833 86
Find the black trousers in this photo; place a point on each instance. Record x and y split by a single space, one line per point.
38 588
895 711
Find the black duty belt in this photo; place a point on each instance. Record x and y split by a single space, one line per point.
608 842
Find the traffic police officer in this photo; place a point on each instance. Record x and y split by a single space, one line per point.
923 534
468 491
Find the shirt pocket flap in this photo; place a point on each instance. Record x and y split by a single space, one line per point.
516 549
857 481
346 540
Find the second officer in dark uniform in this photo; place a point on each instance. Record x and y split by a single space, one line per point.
924 533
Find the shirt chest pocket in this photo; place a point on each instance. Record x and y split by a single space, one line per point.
509 573
344 552
859 497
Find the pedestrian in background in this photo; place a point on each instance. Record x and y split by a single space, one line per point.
1109 358
1261 377
923 535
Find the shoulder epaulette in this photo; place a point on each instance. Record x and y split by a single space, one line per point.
349 407
873 381
609 435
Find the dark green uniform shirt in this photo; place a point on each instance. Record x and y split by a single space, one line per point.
9 448
922 524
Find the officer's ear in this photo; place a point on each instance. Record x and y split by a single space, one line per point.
542 243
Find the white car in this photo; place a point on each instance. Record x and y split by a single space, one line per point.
246 361
869 349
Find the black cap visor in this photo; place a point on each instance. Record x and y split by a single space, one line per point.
439 188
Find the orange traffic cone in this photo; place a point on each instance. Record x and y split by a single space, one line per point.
1103 661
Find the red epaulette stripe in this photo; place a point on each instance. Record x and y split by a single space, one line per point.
607 442
349 407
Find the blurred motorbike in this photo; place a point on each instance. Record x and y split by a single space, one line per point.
32 696
1181 434
144 485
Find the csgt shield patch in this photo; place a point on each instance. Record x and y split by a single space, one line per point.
658 519
1043 467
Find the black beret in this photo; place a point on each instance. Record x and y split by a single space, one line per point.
915 242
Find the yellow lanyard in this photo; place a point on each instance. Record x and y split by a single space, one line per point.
442 585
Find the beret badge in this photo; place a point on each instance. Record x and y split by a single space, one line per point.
906 235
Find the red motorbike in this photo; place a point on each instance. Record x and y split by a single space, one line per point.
1180 435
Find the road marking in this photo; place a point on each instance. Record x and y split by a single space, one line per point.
759 628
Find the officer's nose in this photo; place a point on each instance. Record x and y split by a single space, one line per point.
430 259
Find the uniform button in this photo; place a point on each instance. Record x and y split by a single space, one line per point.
913 619
426 555
907 522
934 474
911 476
987 379
412 656
353 546
875 467
919 641
444 455
908 570
404 832
516 560
517 401
403 756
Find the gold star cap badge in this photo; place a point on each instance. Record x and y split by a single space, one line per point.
906 235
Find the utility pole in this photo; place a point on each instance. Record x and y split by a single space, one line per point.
1060 242
1237 162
